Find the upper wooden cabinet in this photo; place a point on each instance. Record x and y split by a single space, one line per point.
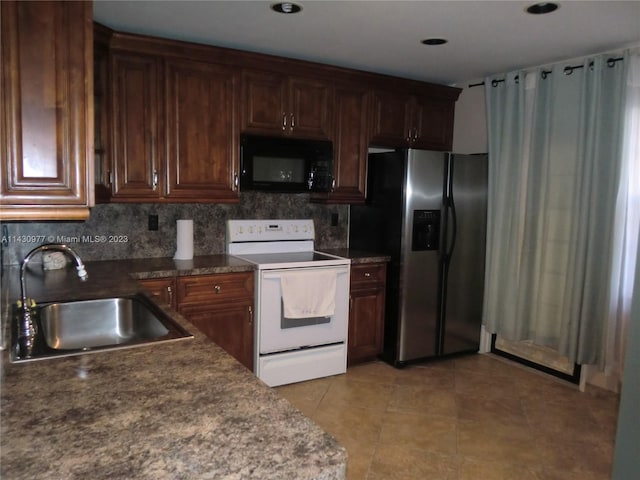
350 143
202 135
46 124
276 104
174 112
174 129
433 124
407 120
136 112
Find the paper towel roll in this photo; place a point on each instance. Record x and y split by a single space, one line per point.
184 240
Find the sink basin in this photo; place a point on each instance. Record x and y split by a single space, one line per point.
96 323
84 326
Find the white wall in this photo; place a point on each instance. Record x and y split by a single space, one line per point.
470 127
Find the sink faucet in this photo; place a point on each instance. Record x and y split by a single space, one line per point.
27 329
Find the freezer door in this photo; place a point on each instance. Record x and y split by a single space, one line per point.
419 277
464 275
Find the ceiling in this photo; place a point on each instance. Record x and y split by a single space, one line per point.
484 37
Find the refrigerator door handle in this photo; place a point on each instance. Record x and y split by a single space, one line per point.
454 226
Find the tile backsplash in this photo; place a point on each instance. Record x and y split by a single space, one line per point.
120 231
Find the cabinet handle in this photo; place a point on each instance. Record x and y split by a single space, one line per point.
367 274
333 184
217 288
235 181
250 315
293 122
110 177
415 133
284 121
170 294
154 179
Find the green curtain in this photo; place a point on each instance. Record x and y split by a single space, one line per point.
555 141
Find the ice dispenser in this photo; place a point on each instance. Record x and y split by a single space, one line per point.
426 230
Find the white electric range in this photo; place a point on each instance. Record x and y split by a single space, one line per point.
292 276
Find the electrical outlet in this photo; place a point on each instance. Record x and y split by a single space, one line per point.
153 222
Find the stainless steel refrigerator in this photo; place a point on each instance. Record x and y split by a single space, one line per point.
427 211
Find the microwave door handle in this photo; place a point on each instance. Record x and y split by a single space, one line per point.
310 181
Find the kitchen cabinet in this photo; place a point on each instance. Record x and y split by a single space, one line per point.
46 113
184 145
407 120
163 288
102 164
433 124
136 113
174 128
202 134
366 312
277 104
221 307
350 143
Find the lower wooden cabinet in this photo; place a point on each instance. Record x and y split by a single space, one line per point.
221 307
366 312
163 288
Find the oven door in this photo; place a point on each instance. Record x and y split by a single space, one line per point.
276 333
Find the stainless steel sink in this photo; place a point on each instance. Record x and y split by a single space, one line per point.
84 326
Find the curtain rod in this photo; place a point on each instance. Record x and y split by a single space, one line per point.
545 73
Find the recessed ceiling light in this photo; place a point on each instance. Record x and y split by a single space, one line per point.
434 41
286 7
542 8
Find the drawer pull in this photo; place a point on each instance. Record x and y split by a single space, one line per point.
367 274
217 288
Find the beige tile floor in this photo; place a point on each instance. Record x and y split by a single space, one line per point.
473 417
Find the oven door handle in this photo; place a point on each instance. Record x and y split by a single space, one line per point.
271 276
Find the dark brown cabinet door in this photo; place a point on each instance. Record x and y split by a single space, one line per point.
350 143
400 120
275 104
230 326
365 325
391 119
163 288
46 125
433 124
366 312
308 108
102 116
221 307
135 113
265 103
202 136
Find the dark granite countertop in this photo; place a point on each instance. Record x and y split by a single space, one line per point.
164 411
359 256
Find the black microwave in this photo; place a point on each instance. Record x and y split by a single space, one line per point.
281 164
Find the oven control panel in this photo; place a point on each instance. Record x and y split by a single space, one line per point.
269 230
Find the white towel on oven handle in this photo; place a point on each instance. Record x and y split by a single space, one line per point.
308 293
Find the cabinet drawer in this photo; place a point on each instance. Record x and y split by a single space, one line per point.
216 288
368 274
163 288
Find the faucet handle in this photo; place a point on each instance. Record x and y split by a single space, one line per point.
31 303
82 272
